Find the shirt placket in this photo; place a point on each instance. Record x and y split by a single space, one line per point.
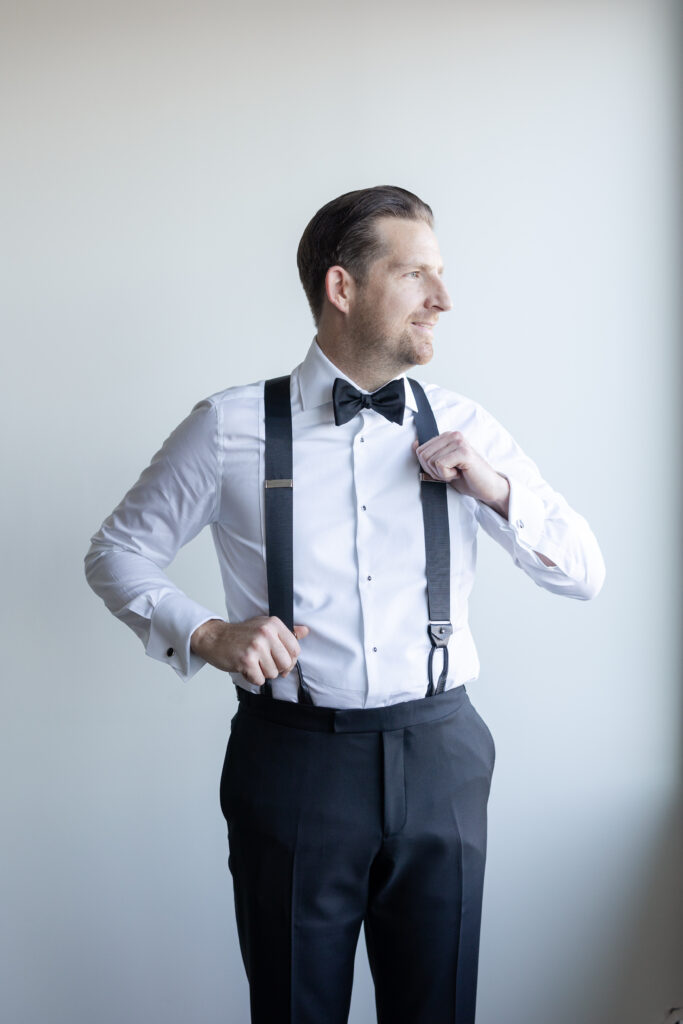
367 570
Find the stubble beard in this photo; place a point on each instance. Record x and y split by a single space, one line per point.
416 351
388 356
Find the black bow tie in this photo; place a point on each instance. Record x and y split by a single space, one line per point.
389 401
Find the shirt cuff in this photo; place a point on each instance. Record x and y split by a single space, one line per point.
526 514
174 620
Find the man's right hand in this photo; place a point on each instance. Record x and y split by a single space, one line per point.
260 648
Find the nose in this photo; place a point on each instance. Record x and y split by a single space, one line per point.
441 299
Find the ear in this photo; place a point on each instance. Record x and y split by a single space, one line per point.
339 288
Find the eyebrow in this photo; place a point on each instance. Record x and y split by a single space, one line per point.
414 266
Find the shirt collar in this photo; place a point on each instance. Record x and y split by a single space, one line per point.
317 374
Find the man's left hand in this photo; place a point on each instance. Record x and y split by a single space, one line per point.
451 458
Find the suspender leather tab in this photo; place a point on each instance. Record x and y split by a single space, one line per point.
440 633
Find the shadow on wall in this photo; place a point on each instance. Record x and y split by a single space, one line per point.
593 932
629 978
633 975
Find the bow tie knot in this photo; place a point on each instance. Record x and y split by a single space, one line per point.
389 401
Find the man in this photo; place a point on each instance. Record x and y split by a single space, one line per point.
355 781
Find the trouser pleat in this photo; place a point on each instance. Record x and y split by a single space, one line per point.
393 780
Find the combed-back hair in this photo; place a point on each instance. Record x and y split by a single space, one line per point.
342 233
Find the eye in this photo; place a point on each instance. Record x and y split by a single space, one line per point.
413 273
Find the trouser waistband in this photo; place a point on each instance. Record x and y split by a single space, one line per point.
322 719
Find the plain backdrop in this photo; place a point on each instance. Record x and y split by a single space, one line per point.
159 163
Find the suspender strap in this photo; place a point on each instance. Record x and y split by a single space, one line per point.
279 522
437 546
278 511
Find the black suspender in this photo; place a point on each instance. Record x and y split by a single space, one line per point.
278 499
278 509
437 545
279 538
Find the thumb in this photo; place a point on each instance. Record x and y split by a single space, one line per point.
301 631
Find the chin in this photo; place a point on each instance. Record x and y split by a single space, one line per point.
424 353
415 351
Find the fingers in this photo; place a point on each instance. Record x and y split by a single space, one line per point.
442 456
450 440
271 651
287 640
280 649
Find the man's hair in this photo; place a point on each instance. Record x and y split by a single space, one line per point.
342 233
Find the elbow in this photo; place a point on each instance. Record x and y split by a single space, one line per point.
90 562
87 564
89 575
592 583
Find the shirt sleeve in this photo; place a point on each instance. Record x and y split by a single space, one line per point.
540 521
172 500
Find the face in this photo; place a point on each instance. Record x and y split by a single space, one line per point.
392 315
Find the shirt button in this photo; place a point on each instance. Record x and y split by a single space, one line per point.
375 650
362 440
519 524
369 577
170 652
364 507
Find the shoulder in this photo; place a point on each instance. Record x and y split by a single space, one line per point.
233 413
229 399
231 405
455 411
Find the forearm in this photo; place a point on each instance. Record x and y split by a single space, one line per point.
499 499
206 642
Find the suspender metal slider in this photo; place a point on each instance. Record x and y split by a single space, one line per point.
279 483
440 632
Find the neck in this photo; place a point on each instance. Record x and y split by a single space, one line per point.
367 373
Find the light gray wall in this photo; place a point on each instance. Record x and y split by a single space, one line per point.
160 161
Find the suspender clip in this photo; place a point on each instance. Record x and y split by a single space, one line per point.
440 632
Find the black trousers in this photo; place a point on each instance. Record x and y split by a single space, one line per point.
338 818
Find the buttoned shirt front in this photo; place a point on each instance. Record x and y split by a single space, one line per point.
358 544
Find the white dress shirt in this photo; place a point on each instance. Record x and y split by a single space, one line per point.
359 554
